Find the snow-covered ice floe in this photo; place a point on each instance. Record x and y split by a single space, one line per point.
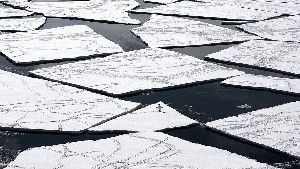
161 1
276 127
135 71
209 10
8 12
96 10
282 29
34 104
169 31
55 44
274 55
135 151
155 117
21 24
285 85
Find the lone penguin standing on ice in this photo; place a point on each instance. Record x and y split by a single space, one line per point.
159 107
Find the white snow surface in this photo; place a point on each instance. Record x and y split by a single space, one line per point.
282 29
21 24
276 127
135 151
169 31
34 104
147 119
55 44
282 56
150 68
265 82
6 12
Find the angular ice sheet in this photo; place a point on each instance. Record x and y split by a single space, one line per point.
265 82
7 12
55 44
145 69
161 1
34 104
98 10
21 24
282 29
280 56
154 117
208 10
275 127
147 150
168 31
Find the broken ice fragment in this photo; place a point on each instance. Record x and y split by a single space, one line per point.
55 44
141 150
154 117
8 12
34 104
135 71
276 127
168 31
21 24
161 1
279 56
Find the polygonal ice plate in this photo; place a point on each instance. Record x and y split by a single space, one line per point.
8 12
21 24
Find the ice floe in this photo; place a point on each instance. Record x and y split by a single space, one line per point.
34 104
283 29
169 31
134 71
209 10
265 82
280 56
55 44
276 127
141 150
8 12
161 1
155 117
21 24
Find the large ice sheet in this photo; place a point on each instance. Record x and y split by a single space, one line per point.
155 117
34 104
275 127
145 69
265 82
55 44
209 10
98 10
7 12
21 24
280 56
168 31
282 29
135 151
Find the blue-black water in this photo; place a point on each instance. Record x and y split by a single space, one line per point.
202 102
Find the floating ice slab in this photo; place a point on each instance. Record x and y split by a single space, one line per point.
154 117
55 44
21 24
161 1
168 31
34 104
265 82
283 29
133 71
141 150
7 12
280 56
275 127
98 10
208 10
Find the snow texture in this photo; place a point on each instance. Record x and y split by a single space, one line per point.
168 31
8 12
282 29
279 56
55 44
265 82
97 10
145 69
34 104
154 117
141 150
275 127
21 24
161 1
209 10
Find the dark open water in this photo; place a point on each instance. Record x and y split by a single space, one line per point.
203 102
